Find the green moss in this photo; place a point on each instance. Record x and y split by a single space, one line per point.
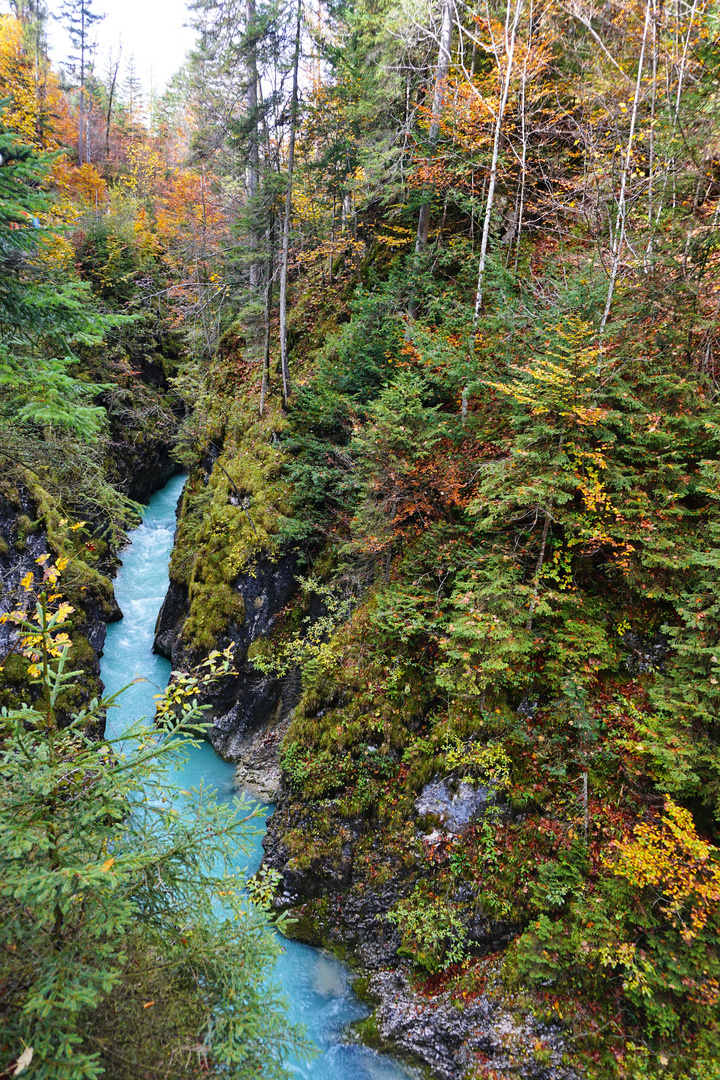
317 839
361 990
312 923
368 1032
306 928
24 528
231 516
13 682
82 584
214 606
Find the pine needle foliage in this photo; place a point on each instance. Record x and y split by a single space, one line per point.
46 316
128 946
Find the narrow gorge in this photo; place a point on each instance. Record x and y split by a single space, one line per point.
360 421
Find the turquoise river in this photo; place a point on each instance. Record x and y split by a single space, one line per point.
316 986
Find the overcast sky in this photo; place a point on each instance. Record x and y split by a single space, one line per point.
152 30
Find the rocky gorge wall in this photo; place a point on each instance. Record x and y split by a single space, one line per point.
330 757
340 874
250 700
331 888
35 508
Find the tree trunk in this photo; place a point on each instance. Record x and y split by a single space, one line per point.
253 172
265 389
441 72
81 117
523 135
288 213
111 95
619 237
510 38
538 570
651 157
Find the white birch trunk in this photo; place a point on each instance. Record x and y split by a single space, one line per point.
510 39
620 221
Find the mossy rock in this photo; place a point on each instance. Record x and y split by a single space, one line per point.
368 1032
24 527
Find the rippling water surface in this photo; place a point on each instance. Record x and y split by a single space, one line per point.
315 984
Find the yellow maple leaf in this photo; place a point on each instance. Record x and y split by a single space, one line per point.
64 611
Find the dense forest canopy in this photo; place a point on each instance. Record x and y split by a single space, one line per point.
435 290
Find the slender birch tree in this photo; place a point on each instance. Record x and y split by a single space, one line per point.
618 238
504 57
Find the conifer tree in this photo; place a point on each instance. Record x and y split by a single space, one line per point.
79 19
42 316
126 944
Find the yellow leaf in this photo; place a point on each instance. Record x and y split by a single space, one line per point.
64 611
27 581
107 864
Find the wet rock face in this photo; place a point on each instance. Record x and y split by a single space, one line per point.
172 615
332 904
22 542
19 548
258 756
456 809
251 699
143 470
451 1039
335 905
335 908
266 589
258 698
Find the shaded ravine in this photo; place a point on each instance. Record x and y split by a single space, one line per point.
315 984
